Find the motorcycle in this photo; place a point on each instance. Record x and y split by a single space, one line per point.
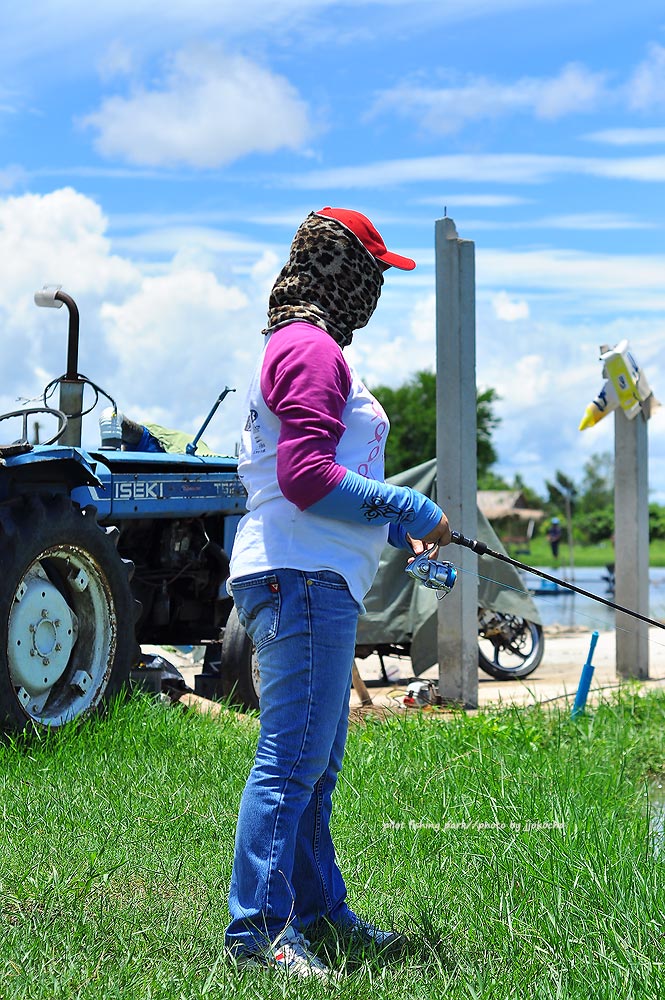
510 647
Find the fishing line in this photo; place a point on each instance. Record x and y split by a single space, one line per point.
551 601
482 549
548 599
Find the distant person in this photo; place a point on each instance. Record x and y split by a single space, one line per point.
554 537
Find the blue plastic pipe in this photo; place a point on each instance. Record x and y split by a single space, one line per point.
585 680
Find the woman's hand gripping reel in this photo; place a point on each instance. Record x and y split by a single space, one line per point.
435 574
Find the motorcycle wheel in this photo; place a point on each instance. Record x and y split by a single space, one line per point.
239 665
511 648
66 614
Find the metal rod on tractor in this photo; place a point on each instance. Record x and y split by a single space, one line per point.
71 385
481 549
192 446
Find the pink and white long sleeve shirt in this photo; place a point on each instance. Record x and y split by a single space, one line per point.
312 462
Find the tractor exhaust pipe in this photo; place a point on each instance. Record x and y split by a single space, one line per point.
71 385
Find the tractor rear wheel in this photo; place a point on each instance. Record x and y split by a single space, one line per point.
239 665
66 613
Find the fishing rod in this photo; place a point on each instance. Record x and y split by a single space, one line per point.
481 549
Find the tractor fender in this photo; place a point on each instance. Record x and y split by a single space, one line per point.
48 466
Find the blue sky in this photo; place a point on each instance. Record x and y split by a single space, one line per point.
156 159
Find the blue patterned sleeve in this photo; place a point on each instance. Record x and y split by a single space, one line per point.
367 501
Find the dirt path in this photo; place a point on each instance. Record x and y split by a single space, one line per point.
557 677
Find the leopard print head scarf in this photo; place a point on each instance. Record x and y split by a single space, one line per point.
330 280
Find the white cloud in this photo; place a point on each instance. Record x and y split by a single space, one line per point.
163 345
210 109
178 341
165 241
646 89
592 220
496 168
119 59
58 238
646 168
474 201
82 30
172 331
629 136
508 309
569 270
446 109
575 90
584 221
387 353
263 274
530 375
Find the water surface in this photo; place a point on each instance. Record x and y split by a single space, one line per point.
567 608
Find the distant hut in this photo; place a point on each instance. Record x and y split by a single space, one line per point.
511 518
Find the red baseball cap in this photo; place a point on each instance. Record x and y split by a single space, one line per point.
369 236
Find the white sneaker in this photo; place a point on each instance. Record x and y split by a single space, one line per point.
292 955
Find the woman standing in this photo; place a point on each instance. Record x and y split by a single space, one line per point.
305 554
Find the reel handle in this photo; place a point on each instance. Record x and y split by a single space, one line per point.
469 543
432 573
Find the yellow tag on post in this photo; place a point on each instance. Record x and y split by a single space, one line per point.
628 379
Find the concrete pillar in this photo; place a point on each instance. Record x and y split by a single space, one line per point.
457 629
71 401
631 543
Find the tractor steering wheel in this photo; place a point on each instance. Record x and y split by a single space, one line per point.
27 413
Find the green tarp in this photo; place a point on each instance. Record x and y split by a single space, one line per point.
175 442
400 610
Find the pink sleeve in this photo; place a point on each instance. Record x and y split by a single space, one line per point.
305 381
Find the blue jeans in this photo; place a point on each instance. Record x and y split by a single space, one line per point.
285 875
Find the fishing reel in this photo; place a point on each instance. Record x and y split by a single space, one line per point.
435 574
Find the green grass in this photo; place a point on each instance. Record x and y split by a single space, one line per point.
584 555
513 845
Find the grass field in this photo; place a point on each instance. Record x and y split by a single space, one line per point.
514 846
584 555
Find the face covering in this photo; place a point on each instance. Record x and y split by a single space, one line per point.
330 280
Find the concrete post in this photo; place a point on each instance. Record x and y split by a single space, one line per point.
71 401
456 468
631 543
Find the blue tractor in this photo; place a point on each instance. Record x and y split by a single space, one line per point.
105 550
